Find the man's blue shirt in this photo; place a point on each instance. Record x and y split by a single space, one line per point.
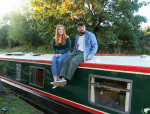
90 45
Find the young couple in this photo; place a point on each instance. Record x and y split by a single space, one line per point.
65 64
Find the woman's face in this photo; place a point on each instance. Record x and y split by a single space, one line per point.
60 30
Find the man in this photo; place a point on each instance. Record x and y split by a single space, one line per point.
84 50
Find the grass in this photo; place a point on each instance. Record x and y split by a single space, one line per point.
16 105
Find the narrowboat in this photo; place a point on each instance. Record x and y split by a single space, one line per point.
107 84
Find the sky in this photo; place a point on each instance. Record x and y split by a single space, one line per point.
7 6
144 11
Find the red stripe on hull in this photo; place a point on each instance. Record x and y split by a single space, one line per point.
118 55
57 98
117 67
138 69
28 60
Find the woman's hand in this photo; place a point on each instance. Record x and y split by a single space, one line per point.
88 57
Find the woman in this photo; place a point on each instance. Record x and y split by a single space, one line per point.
61 47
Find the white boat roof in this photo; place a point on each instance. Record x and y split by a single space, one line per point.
143 60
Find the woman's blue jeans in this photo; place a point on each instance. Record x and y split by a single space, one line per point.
57 63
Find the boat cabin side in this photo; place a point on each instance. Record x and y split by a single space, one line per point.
106 90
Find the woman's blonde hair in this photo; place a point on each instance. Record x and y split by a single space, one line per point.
63 41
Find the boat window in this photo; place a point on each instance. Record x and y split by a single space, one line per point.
18 71
110 93
37 76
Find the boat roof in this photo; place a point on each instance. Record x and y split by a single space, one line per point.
140 61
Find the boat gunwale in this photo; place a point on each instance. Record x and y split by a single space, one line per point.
96 66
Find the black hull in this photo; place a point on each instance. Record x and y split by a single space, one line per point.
45 104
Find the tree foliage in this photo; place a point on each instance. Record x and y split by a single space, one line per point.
113 21
22 29
4 36
147 32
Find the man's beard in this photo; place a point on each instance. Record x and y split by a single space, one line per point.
81 33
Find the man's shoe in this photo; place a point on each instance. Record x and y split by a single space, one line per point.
60 82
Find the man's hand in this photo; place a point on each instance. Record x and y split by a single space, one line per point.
57 55
88 57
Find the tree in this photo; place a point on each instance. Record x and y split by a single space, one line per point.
113 21
4 36
147 32
21 30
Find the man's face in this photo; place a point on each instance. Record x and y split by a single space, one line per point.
81 29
